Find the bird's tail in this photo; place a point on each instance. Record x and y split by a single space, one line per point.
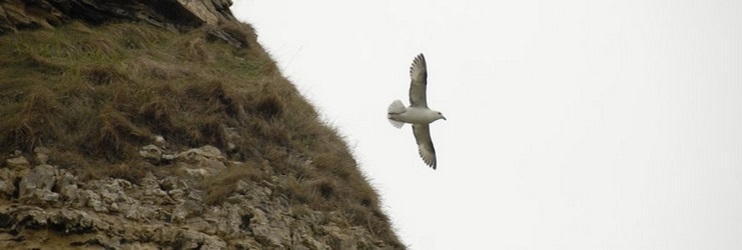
397 107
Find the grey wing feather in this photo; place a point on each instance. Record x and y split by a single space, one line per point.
424 144
419 82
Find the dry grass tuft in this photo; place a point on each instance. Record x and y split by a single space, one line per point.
326 188
44 65
196 50
272 131
220 186
211 130
36 120
136 36
100 46
269 106
158 113
102 75
148 68
115 130
69 159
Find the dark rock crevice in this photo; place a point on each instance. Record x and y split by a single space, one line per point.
171 14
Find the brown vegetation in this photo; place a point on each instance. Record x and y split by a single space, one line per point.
95 95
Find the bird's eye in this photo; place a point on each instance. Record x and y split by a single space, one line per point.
439 113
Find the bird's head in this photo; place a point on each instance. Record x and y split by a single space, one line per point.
440 116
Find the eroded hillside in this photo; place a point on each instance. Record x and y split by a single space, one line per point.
130 133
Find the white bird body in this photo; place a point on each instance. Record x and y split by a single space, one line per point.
415 115
418 114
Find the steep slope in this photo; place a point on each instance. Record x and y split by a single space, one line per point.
145 129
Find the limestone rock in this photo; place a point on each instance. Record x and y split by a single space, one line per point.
156 153
151 153
270 229
200 162
36 187
205 152
19 163
152 193
7 188
186 209
206 11
67 185
160 141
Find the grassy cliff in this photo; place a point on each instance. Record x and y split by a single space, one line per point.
93 96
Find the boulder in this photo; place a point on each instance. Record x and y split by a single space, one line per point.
36 186
201 162
152 153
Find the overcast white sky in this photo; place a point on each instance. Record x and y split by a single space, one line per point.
571 125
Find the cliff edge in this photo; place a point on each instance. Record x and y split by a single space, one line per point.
165 125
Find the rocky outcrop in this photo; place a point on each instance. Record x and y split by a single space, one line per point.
44 206
275 177
171 14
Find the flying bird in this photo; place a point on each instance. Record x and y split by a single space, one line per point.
418 114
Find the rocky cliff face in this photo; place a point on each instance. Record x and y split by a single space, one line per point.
164 125
172 14
46 207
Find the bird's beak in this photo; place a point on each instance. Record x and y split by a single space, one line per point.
444 118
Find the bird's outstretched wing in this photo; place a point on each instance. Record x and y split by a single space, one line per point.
424 144
419 82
